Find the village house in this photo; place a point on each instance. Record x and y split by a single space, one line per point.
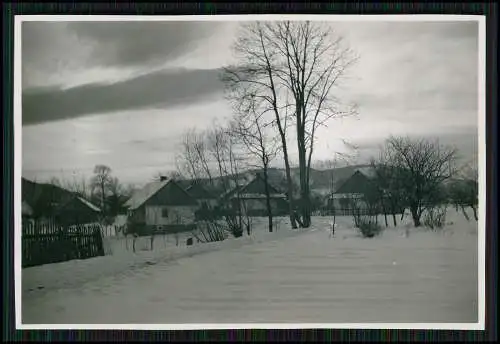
47 202
43 199
252 198
353 192
161 205
78 211
195 188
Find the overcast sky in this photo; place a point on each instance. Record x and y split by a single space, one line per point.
121 93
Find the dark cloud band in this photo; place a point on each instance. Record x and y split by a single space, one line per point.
160 89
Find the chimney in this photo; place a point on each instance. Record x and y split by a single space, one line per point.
163 178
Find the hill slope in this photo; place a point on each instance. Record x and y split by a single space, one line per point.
320 179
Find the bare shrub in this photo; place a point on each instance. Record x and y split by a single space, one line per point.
368 225
234 225
435 218
211 231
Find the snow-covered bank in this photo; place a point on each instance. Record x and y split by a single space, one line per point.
122 260
426 277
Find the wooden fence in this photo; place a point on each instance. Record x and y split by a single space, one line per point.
51 243
109 230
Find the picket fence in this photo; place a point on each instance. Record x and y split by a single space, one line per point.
46 243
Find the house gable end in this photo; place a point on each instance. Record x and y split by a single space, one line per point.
171 195
257 186
357 183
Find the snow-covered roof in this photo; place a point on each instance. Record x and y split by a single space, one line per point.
88 204
142 195
175 195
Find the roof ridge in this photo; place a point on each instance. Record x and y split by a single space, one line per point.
147 196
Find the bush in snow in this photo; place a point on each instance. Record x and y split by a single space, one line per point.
435 218
368 226
210 231
235 225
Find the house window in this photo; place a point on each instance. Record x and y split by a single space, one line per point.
164 213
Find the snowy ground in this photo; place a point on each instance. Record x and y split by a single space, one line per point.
282 277
120 258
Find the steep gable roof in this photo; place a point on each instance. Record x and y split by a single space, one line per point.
199 192
359 182
88 204
178 194
257 185
76 202
142 195
33 192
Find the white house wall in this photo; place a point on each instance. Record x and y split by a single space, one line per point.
176 215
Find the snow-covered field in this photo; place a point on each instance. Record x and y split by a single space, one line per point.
287 276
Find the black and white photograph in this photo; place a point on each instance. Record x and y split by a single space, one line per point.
250 171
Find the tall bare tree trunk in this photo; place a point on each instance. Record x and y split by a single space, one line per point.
288 182
301 59
268 199
415 214
102 199
305 204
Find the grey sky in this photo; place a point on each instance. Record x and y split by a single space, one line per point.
121 93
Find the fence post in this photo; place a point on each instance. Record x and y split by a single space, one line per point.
61 247
99 241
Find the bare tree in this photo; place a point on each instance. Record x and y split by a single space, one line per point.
218 146
389 184
464 192
118 195
76 185
219 152
235 166
292 68
422 166
101 182
251 127
79 186
193 156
